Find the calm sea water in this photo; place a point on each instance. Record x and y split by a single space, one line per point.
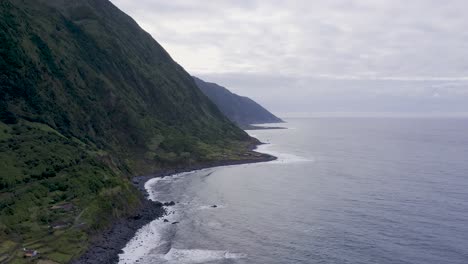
344 190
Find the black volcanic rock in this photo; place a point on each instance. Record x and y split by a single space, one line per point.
171 203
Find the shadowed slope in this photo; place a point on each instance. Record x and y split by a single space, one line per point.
239 109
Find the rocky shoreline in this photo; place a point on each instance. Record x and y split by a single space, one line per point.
104 249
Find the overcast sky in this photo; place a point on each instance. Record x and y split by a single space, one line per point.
320 56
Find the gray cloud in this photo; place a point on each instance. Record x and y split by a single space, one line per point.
341 54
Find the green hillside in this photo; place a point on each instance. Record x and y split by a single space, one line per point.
87 100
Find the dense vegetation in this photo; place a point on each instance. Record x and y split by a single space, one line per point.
239 109
88 99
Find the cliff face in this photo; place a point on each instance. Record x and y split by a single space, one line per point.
87 70
88 99
241 110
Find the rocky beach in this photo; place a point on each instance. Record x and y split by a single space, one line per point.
105 247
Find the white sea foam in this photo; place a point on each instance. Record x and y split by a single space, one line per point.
271 125
199 255
153 241
282 156
153 238
154 194
148 240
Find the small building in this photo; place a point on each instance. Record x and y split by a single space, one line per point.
65 207
59 225
30 253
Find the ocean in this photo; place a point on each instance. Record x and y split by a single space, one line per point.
343 190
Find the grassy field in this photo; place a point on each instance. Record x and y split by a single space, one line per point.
56 191
40 171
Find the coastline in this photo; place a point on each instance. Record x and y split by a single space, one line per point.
104 248
254 127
